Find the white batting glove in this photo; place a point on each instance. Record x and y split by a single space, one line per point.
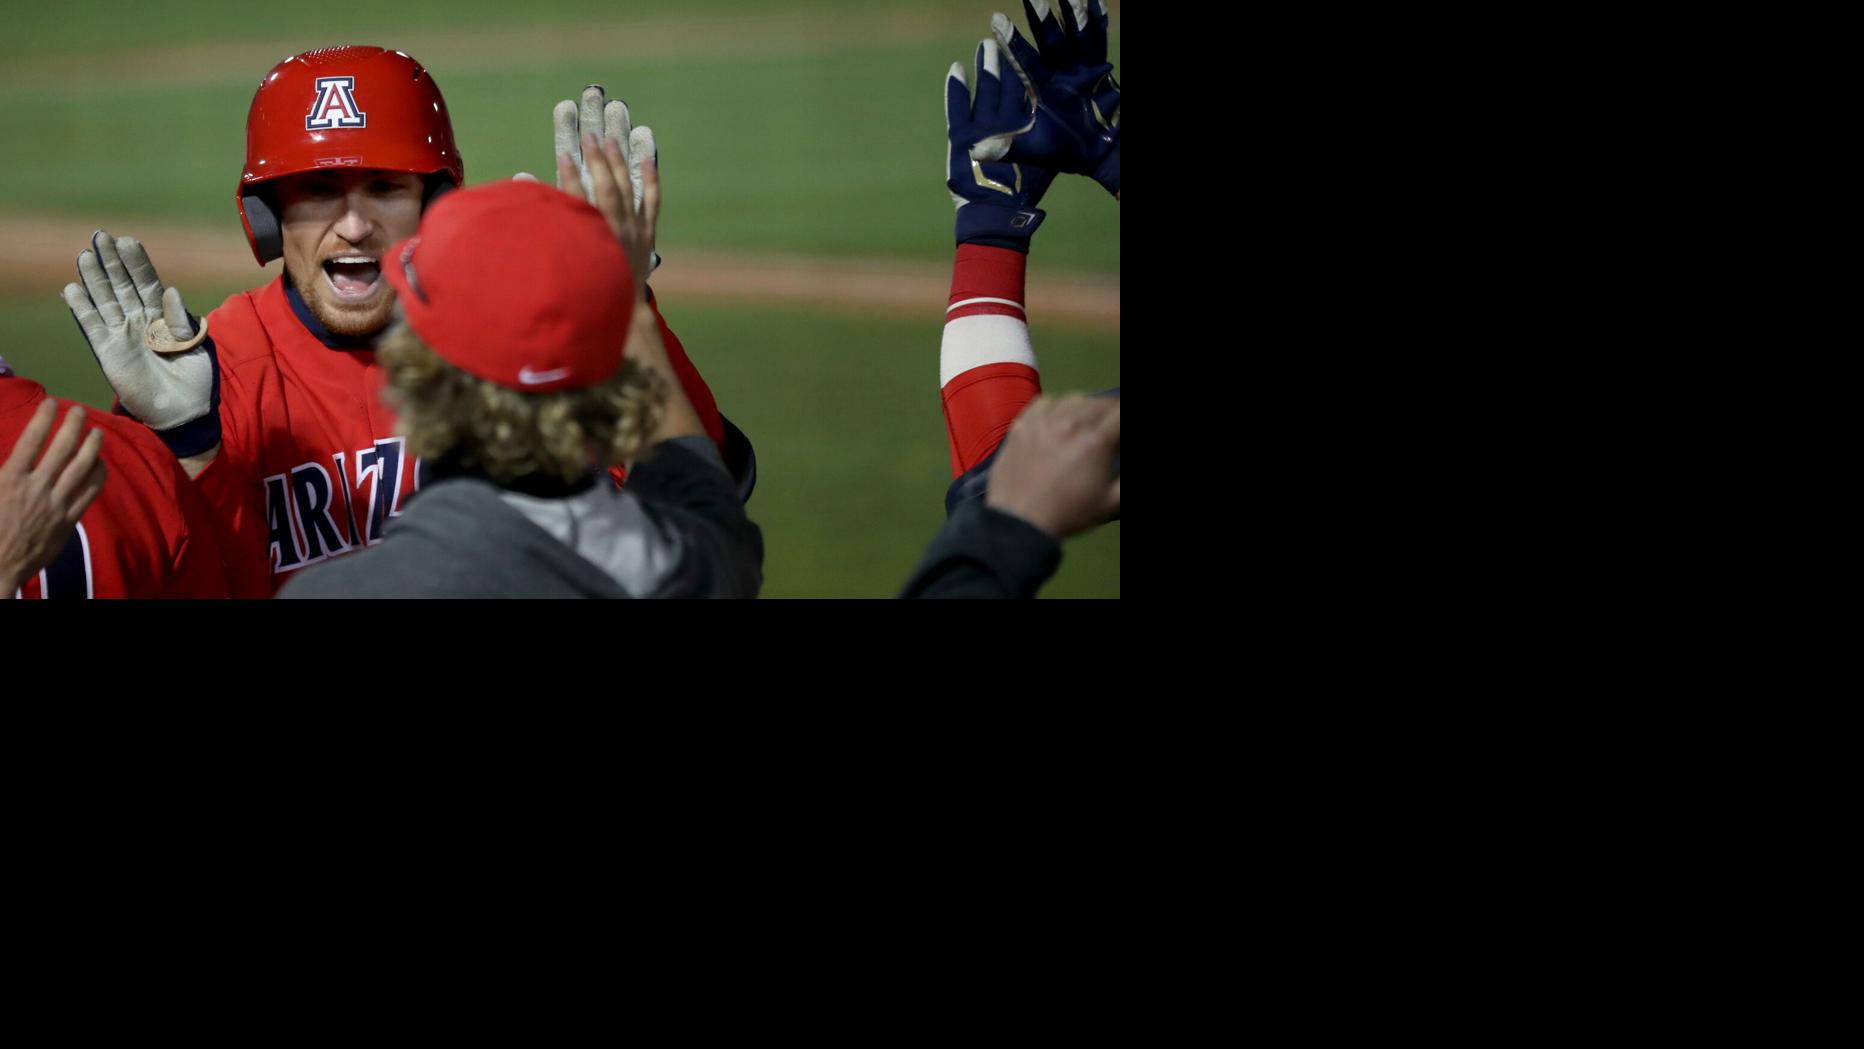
605 119
145 341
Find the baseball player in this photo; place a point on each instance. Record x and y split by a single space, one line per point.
271 401
146 535
519 506
1011 503
1058 112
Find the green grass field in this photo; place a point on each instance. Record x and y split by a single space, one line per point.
826 143
77 30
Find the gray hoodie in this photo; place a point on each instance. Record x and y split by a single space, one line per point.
676 530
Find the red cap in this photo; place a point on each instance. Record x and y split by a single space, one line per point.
346 107
517 283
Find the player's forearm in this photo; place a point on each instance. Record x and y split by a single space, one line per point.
982 552
678 418
691 382
987 364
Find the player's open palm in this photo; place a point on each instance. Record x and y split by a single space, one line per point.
40 504
608 120
613 195
141 334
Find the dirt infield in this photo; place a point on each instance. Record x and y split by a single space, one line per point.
36 253
37 257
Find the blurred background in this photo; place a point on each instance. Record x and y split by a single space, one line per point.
805 230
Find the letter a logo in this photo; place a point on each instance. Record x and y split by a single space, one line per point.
335 106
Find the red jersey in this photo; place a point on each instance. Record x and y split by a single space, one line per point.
311 465
147 534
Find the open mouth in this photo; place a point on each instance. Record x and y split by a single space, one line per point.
353 277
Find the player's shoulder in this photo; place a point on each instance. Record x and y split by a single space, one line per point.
245 305
244 327
130 433
19 396
132 449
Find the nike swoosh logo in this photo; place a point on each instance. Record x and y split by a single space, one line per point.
531 378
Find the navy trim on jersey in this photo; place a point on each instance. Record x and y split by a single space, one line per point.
316 327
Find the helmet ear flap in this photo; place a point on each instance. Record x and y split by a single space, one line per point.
268 241
438 186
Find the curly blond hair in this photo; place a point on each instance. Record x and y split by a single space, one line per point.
507 434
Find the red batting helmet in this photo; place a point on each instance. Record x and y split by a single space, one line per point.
342 107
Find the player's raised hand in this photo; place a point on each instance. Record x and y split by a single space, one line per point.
609 121
996 199
1077 100
40 505
151 350
633 219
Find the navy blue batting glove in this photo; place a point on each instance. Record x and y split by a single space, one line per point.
1077 101
996 199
